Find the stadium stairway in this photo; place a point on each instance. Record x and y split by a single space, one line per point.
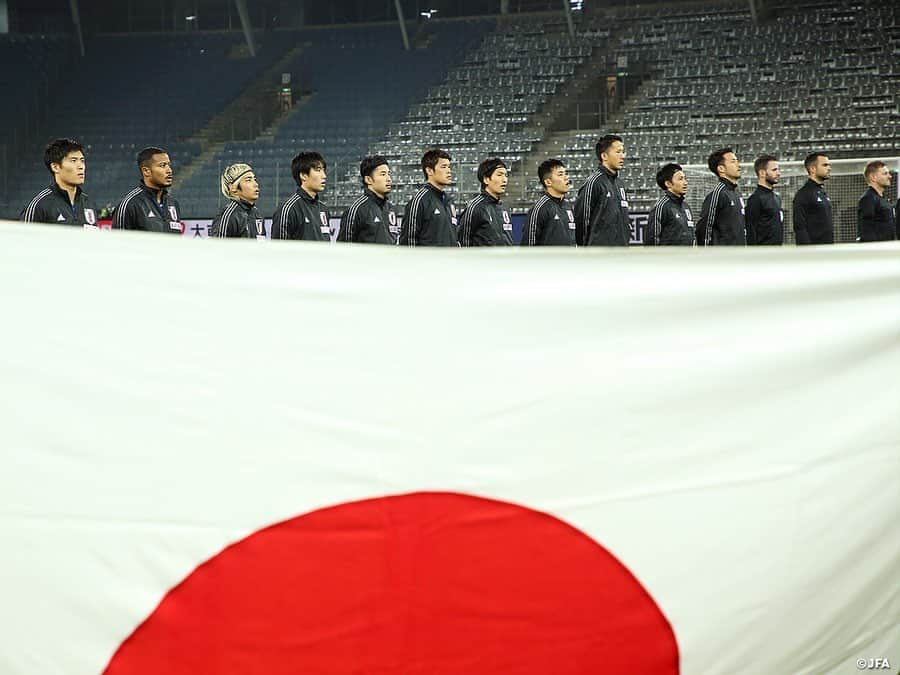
184 174
557 144
553 145
545 122
252 115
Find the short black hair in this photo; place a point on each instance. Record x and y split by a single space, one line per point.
605 142
546 168
872 167
57 150
145 156
716 159
812 159
432 157
369 164
762 162
305 161
487 168
666 173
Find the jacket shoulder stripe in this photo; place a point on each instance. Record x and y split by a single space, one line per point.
123 206
285 211
352 213
467 219
713 211
32 206
414 207
226 216
532 223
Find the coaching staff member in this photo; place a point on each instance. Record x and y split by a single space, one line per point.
765 217
875 216
812 216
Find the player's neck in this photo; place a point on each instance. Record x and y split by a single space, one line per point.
816 180
157 191
878 189
71 190
765 184
556 195
435 185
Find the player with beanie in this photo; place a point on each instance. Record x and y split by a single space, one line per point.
239 218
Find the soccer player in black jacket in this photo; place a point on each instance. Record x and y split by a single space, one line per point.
303 215
812 209
671 222
63 202
430 216
875 216
765 217
484 221
551 221
371 219
721 221
239 218
601 208
149 207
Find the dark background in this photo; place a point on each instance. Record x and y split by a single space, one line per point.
120 16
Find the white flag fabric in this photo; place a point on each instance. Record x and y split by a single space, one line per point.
242 457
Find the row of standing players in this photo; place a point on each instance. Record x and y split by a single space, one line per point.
598 217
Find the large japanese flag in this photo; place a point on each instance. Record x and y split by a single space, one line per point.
259 459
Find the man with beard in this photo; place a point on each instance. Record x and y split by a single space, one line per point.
671 222
484 221
149 206
239 218
371 219
812 209
721 220
765 217
63 202
875 216
430 216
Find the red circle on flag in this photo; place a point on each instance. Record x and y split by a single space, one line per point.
424 583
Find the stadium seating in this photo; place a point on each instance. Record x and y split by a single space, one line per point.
31 65
483 107
361 79
818 77
126 94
